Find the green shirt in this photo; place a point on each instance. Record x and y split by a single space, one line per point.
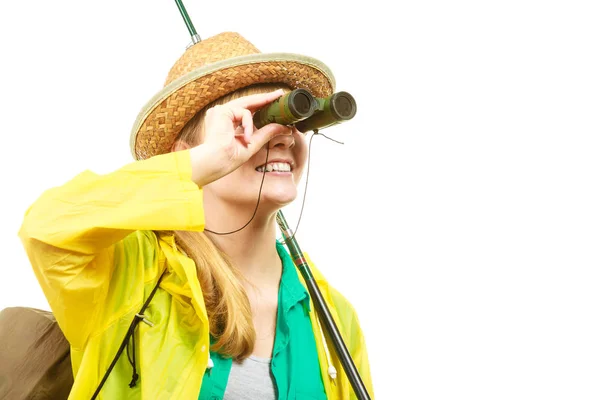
294 365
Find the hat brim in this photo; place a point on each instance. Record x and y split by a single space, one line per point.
162 118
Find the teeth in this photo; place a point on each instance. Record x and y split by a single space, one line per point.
275 166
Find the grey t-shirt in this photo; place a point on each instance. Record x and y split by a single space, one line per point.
250 380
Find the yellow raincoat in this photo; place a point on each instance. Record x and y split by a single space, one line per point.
96 254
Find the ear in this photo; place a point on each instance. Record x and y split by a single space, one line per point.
180 145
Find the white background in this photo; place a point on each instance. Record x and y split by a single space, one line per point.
461 217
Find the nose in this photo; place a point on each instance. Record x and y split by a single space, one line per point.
282 141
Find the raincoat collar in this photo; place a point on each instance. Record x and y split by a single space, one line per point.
182 279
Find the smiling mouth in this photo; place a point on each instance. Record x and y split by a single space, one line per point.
275 167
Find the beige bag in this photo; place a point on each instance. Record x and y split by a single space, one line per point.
35 360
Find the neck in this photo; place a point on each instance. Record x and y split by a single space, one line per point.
252 249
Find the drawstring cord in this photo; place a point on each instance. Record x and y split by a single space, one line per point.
331 369
131 358
130 333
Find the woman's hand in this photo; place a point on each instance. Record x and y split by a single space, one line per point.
230 139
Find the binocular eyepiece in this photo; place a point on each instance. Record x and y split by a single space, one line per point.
306 112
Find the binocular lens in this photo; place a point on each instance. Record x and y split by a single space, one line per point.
343 105
301 103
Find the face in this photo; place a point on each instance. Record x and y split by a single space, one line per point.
286 160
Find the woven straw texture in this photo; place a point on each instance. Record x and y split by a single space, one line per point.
209 70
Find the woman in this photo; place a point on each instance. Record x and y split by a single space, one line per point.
230 317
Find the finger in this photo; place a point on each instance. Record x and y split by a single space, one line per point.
248 125
256 101
243 119
263 135
220 119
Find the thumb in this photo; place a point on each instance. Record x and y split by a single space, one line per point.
262 136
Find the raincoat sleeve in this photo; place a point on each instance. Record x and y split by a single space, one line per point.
72 233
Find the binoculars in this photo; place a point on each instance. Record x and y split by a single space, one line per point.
306 112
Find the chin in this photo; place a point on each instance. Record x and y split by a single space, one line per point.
279 198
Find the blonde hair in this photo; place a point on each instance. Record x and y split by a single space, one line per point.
227 305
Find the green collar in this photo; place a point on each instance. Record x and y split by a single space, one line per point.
291 290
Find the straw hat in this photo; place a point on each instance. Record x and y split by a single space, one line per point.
209 70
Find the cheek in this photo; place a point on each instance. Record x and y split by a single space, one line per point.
230 183
300 157
301 150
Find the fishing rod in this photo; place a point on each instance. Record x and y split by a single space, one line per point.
188 22
323 311
307 113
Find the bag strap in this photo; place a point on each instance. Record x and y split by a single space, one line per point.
136 320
